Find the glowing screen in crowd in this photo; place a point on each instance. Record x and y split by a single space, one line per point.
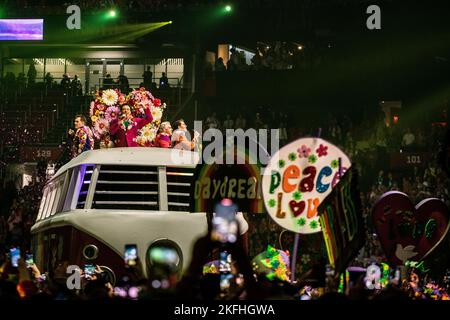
21 29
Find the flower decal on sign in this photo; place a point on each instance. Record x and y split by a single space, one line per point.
322 150
312 159
292 156
297 195
306 179
301 222
303 151
272 203
314 224
334 164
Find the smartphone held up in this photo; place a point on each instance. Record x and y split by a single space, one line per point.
15 256
130 254
224 223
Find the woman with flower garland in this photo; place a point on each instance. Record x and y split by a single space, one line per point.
127 126
163 139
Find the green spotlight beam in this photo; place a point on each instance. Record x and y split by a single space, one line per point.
115 32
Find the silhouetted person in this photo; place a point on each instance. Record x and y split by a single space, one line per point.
148 77
108 82
122 83
77 88
65 82
48 80
31 74
219 65
164 81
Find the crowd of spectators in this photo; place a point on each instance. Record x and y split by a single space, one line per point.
276 56
12 84
202 281
365 143
19 210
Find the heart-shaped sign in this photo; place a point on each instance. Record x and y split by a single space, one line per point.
407 232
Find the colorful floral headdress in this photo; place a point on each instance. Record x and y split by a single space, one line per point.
273 263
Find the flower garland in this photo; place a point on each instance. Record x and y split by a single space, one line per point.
104 108
107 105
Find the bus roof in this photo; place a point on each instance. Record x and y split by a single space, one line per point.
135 156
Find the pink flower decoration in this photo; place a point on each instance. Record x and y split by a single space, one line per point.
100 107
111 113
303 151
322 150
101 127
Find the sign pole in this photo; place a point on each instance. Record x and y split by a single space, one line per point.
294 256
297 235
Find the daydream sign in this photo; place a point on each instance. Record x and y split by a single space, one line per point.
298 178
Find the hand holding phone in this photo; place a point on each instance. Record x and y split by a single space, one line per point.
29 260
15 256
89 271
225 226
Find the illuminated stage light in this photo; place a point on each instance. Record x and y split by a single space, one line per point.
112 13
228 8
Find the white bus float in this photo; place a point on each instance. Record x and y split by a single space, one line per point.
104 199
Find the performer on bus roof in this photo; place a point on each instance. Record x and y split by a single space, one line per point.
82 138
179 139
127 127
163 138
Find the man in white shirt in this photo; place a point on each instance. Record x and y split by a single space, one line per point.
179 139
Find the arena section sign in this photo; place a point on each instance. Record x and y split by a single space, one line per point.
404 160
341 221
298 178
408 232
31 154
